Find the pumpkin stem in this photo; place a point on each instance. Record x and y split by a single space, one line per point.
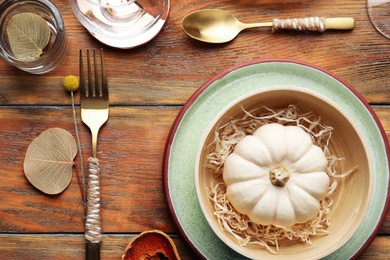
279 176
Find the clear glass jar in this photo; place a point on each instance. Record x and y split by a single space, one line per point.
55 50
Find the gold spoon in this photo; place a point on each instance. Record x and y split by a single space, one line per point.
217 26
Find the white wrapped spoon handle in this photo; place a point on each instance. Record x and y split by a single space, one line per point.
318 24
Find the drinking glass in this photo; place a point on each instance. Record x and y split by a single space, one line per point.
379 10
122 23
54 52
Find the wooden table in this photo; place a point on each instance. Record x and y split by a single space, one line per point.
148 87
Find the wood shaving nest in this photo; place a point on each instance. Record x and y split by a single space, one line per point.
240 226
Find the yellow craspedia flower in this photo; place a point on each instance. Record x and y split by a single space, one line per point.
71 83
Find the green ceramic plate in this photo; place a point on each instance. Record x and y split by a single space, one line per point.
196 115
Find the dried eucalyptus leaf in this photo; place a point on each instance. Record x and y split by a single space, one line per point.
28 35
48 163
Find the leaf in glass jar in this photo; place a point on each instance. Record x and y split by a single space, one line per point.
48 163
28 35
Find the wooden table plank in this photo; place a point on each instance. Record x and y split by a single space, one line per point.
130 149
171 67
64 247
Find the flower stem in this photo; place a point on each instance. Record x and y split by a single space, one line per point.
84 192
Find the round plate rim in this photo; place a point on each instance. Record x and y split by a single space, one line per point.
221 75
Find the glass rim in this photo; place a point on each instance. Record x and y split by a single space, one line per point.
127 2
100 32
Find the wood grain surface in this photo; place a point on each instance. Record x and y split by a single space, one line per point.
148 87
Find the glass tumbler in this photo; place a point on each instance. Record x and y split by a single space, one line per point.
378 11
122 24
54 51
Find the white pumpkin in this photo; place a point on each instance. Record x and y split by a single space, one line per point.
276 176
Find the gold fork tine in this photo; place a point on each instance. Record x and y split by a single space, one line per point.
95 67
82 77
104 75
90 89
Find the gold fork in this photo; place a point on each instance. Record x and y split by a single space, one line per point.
94 113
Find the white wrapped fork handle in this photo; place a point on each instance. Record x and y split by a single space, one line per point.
92 219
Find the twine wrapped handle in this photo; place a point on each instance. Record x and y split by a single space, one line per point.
318 24
92 221
300 24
